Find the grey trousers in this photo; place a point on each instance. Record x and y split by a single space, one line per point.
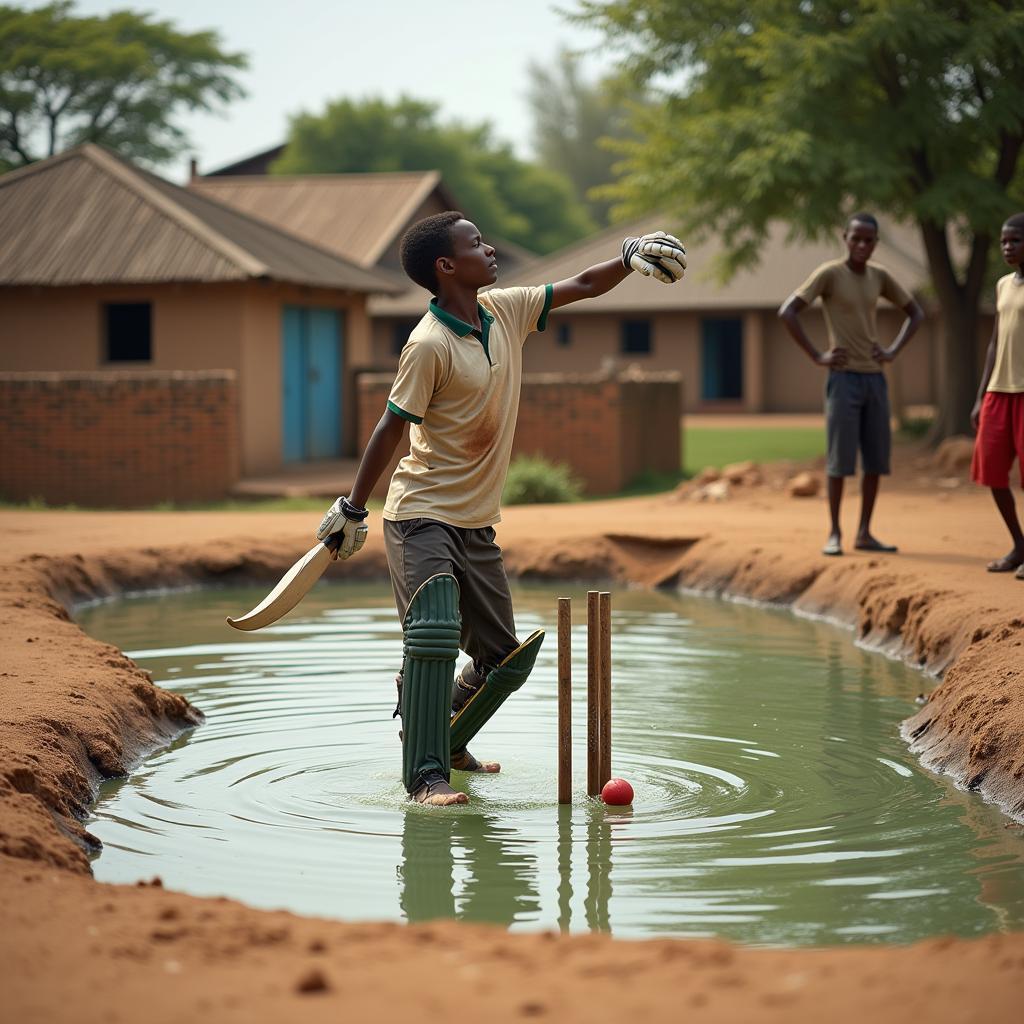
857 418
420 548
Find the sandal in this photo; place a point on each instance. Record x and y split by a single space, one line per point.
1008 563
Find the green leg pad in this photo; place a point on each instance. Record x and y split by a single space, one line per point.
500 682
432 626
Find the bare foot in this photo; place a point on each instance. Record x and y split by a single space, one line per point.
435 791
1008 563
466 762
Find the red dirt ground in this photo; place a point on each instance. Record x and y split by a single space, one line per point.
76 710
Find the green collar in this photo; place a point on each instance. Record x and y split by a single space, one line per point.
462 329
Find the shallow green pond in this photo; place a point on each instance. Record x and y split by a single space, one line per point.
775 801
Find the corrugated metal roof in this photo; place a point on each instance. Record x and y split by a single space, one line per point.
88 217
358 216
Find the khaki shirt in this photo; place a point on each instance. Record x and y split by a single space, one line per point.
849 301
461 395
1008 369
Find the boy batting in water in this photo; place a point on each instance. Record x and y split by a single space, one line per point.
856 394
458 386
998 414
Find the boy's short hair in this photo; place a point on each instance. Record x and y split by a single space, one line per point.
1015 220
862 218
423 243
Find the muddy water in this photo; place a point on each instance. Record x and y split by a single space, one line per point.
775 802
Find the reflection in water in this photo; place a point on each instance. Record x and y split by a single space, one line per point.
776 803
564 868
599 873
465 866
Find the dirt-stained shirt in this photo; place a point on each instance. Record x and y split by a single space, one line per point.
850 300
1008 369
460 392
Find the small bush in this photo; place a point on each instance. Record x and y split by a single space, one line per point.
914 428
533 480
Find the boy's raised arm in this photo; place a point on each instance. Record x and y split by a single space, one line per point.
659 255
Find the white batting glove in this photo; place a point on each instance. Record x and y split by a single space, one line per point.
658 255
343 528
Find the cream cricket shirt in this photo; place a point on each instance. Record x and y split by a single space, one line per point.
849 301
461 395
1008 369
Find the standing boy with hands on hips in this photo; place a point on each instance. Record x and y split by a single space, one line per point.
458 386
857 415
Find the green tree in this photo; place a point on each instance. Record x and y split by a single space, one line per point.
116 80
800 111
575 122
506 196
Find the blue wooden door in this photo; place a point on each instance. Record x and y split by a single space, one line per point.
721 358
311 380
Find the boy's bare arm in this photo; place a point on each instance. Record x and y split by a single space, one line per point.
986 374
658 254
789 314
589 283
379 450
343 527
915 317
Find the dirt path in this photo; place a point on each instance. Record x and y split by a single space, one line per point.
75 710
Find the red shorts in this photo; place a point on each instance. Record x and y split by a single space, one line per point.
1000 439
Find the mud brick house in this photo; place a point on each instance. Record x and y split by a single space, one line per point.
111 274
360 217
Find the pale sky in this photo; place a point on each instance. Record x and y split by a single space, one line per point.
469 55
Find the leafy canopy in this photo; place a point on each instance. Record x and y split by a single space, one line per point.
507 197
798 110
117 80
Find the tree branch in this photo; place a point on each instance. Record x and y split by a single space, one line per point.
12 135
936 246
977 267
1006 165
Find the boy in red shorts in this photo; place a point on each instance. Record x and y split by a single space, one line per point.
998 414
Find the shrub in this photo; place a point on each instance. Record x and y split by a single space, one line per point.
532 480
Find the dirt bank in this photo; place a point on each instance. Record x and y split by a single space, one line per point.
75 710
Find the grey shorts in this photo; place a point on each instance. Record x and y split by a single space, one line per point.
857 418
420 548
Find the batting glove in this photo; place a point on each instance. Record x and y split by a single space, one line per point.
342 528
658 255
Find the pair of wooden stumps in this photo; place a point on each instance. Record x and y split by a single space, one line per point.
599 694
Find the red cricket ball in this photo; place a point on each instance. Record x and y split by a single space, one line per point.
618 792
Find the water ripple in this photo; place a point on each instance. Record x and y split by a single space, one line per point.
775 803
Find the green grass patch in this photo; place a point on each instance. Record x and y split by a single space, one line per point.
718 446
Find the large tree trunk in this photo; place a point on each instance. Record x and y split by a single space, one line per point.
957 365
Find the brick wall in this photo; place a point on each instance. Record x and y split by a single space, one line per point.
118 438
609 428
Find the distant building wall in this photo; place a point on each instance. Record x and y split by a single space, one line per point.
194 327
609 429
777 375
118 438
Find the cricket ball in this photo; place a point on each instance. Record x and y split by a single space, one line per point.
618 792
